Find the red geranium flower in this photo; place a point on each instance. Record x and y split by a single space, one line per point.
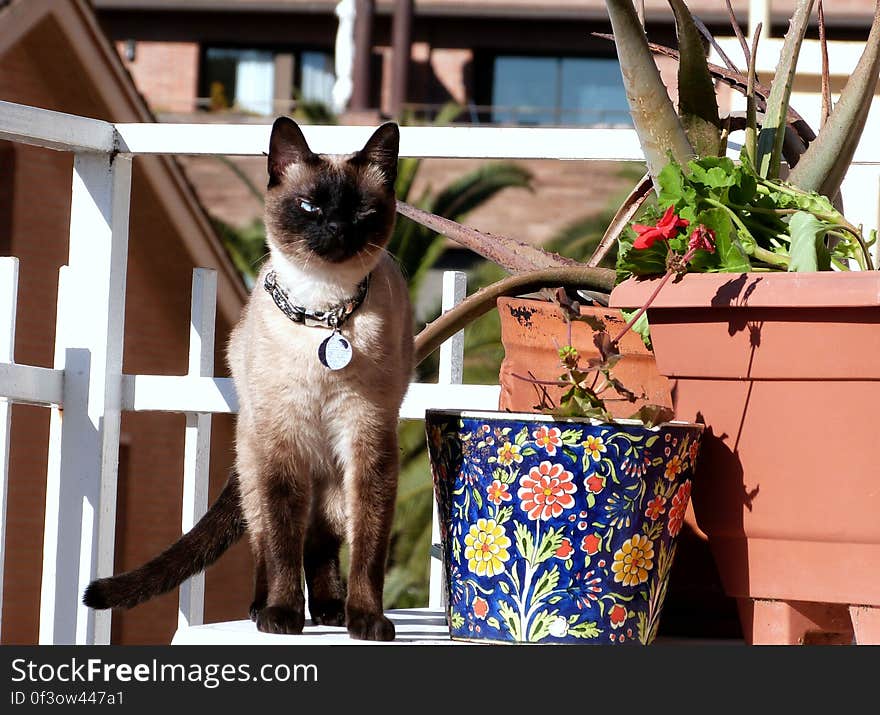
704 238
666 228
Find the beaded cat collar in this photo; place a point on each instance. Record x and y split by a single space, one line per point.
332 318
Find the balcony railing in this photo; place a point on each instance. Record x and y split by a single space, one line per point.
87 379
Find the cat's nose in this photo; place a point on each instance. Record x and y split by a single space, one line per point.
334 227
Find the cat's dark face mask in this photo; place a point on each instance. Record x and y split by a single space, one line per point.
334 207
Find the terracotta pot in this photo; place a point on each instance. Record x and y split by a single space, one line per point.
531 330
784 371
696 605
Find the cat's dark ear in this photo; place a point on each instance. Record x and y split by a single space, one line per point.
287 146
381 150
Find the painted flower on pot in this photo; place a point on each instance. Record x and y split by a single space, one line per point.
655 508
595 483
497 492
486 547
673 467
564 551
617 615
508 453
481 607
548 439
594 447
591 543
546 490
633 561
679 507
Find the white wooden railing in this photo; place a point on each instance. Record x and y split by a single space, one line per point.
87 379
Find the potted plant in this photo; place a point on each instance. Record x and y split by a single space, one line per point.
786 543
788 326
562 527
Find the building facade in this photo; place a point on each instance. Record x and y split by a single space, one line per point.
505 61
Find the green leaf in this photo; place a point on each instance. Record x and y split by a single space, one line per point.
504 587
493 622
456 620
522 437
697 104
653 415
729 256
640 327
808 251
595 323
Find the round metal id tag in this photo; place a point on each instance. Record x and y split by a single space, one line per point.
335 352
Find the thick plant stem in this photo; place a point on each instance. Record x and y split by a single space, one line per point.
656 122
511 255
481 302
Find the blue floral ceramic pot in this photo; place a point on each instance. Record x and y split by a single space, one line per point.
558 531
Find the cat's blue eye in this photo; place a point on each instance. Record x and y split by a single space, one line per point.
308 207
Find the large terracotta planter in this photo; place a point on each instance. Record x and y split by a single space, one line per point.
784 369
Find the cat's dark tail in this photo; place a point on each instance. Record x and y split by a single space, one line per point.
221 526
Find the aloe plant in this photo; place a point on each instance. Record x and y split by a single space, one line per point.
825 162
664 136
772 134
659 128
697 104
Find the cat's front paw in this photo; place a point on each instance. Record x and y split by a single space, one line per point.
275 619
369 626
255 609
327 613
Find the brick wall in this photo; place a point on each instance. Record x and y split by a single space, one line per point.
166 73
40 73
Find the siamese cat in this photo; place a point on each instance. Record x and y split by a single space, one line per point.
321 359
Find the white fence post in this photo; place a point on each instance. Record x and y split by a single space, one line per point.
84 436
8 303
197 450
451 371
